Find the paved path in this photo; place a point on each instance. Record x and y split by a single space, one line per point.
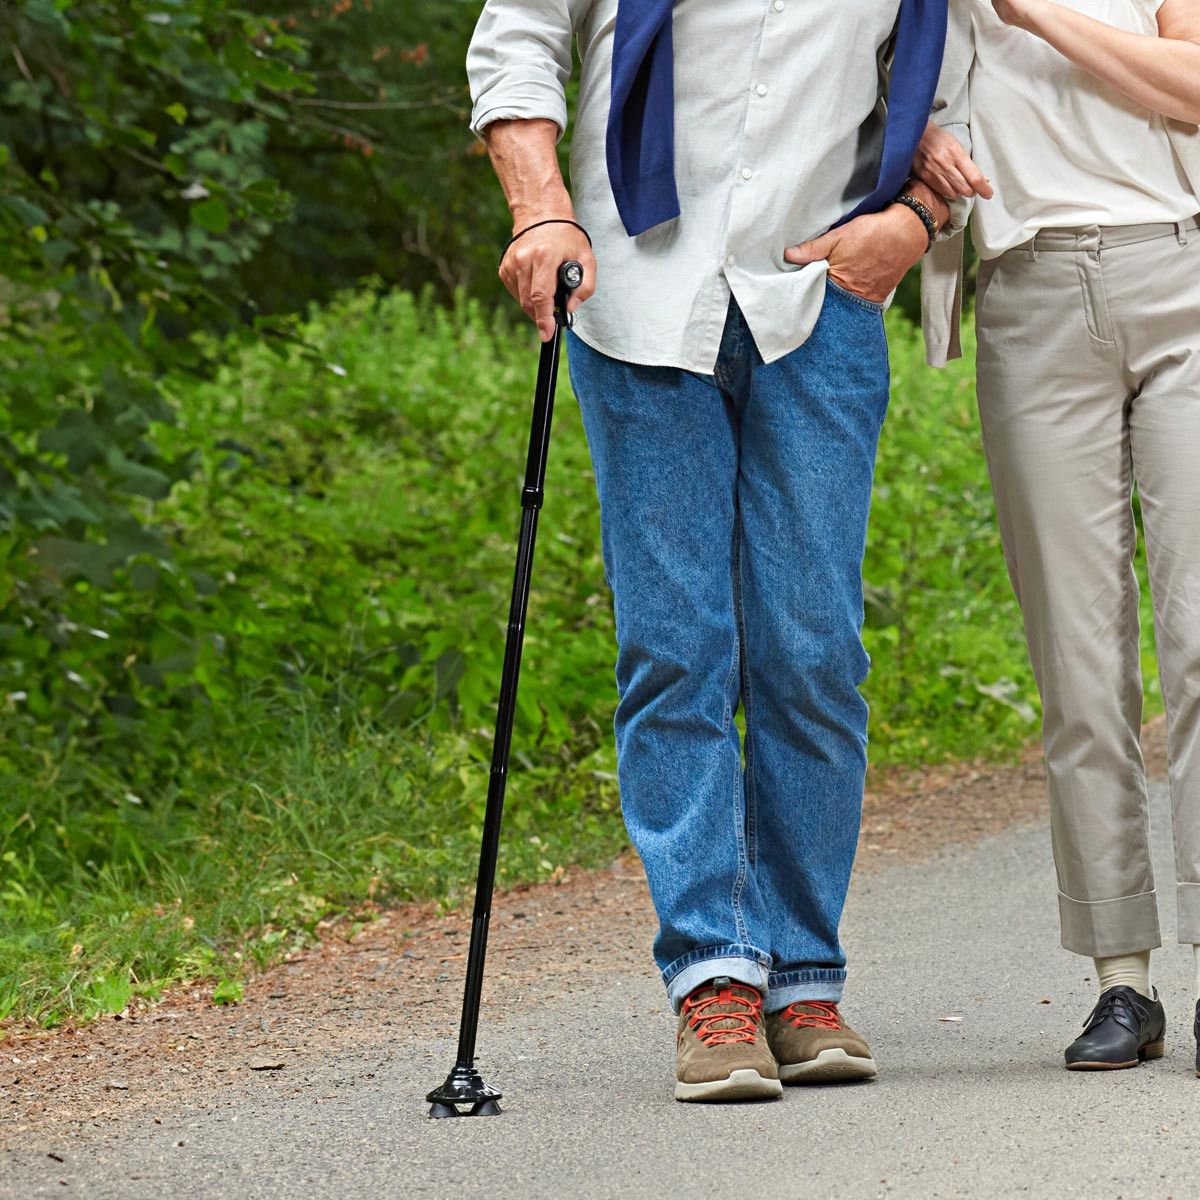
977 1107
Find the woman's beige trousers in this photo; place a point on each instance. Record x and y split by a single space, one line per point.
1089 384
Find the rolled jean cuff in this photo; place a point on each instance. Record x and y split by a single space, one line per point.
1188 899
1103 928
744 964
794 987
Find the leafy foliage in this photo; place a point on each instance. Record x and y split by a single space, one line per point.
352 515
134 188
951 677
389 180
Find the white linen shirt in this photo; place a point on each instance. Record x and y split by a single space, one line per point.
779 112
1080 95
1061 148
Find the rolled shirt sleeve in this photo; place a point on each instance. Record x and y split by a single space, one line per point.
519 61
952 105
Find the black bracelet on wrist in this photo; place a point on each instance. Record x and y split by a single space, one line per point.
538 225
927 218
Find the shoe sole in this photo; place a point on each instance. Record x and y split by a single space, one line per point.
1154 1050
830 1066
746 1084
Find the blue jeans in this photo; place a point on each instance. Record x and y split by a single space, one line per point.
734 514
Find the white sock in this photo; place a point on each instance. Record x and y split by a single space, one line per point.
1130 970
1196 953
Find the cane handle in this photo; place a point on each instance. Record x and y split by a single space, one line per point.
570 276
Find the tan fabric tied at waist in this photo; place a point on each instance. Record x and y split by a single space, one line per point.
1100 237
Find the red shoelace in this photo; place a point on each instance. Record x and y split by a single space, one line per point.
739 1024
826 1016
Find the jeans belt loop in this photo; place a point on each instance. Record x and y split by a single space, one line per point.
1181 233
1033 247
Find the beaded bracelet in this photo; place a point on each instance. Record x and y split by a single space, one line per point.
927 218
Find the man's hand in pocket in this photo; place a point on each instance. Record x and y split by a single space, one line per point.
869 255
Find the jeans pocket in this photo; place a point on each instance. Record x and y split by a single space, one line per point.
875 306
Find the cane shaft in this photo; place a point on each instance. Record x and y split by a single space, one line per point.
531 501
464 1086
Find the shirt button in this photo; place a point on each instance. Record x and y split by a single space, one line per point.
778 5
730 260
761 89
747 173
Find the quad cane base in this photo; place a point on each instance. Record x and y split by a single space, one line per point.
464 1085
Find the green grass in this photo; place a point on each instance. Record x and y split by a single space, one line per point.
312 820
309 737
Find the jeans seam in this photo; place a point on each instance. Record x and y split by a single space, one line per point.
809 975
740 619
726 364
724 950
739 334
739 880
675 970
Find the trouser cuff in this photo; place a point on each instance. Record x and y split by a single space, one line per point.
1103 928
743 964
793 987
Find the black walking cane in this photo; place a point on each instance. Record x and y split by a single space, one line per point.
464 1085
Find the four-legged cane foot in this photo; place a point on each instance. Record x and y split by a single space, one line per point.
463 1086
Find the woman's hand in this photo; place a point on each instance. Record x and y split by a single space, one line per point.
1020 13
943 164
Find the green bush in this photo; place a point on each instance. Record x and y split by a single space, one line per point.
134 187
312 726
950 676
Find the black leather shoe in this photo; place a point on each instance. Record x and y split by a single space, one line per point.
1196 1031
1123 1029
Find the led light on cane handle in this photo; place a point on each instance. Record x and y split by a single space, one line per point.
570 276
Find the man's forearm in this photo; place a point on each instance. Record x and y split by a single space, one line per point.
523 153
526 162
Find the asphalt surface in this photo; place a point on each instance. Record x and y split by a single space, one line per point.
977 1106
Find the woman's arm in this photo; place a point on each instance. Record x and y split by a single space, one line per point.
1162 73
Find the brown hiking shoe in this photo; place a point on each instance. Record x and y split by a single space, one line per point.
812 1044
722 1049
